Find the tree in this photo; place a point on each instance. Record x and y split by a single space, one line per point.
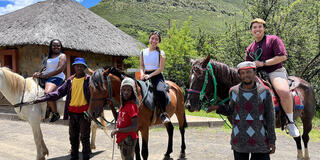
179 47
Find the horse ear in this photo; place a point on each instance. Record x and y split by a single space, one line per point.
206 61
106 72
90 71
192 61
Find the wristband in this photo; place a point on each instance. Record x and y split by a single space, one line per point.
264 62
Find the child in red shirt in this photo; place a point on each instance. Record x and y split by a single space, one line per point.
127 123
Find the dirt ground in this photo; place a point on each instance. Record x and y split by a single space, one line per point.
16 143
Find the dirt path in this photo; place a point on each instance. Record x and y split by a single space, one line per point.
16 143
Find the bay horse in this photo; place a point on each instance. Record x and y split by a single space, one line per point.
104 81
226 77
16 88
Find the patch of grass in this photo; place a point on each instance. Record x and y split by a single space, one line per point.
202 113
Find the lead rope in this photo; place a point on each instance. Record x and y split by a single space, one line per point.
113 142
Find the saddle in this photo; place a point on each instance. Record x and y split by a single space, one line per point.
149 98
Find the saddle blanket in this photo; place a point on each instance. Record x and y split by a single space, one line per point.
298 103
296 100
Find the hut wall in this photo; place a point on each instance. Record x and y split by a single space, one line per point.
95 61
30 57
1 48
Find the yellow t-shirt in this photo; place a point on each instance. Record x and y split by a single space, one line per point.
77 96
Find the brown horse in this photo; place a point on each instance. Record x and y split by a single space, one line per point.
103 82
226 77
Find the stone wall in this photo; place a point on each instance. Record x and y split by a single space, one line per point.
95 61
29 59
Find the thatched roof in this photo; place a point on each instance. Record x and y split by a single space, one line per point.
76 26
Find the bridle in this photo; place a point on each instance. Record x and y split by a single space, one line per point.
209 102
106 101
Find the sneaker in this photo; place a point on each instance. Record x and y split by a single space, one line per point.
293 130
164 118
55 117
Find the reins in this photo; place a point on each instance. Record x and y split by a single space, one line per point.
21 102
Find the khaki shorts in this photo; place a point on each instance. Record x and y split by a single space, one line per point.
281 72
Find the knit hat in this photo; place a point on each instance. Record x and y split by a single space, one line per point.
130 82
246 65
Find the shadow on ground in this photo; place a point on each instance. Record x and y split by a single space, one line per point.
80 156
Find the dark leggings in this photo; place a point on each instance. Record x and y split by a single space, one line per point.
155 80
254 156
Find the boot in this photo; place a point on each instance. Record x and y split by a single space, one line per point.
55 117
164 118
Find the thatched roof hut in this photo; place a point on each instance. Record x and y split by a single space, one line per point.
25 35
76 26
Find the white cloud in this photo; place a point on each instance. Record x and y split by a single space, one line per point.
15 5
79 1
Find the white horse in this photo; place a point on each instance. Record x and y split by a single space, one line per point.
14 88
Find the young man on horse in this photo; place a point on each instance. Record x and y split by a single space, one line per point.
78 96
152 62
252 111
268 53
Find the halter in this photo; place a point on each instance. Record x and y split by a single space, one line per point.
202 94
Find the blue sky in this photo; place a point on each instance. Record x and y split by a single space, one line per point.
7 6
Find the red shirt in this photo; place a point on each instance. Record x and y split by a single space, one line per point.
125 115
271 46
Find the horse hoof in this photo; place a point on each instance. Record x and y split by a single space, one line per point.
167 157
306 158
182 156
93 146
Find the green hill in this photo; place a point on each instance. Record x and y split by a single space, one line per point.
132 16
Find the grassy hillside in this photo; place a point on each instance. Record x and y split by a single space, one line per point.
132 16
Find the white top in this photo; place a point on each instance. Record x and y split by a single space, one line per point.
151 59
52 65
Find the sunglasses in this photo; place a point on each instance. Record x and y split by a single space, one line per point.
156 32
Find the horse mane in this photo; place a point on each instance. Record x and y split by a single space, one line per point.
119 73
226 74
14 80
97 79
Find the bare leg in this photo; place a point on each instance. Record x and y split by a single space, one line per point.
50 87
282 88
